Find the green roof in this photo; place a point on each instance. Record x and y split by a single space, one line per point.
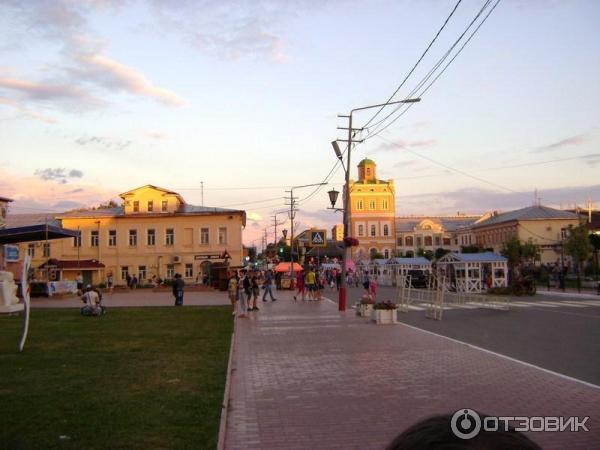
366 161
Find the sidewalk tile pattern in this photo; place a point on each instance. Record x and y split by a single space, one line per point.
306 376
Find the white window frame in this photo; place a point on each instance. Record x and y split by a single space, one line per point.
170 236
223 236
132 238
203 234
151 237
112 238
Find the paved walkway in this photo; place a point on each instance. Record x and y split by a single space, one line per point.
305 376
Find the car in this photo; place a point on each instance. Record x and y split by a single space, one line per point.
418 278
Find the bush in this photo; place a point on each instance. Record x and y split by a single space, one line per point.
385 305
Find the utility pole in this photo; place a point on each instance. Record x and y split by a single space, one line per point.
275 223
349 141
292 216
202 193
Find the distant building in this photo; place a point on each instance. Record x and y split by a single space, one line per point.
428 233
546 227
372 213
3 210
154 233
337 232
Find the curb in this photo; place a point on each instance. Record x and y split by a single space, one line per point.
225 404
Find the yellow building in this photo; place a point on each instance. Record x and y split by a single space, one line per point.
546 227
337 232
372 212
429 233
154 233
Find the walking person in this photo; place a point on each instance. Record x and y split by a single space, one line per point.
178 285
79 281
268 285
232 290
300 284
255 291
311 283
247 287
109 282
373 287
242 299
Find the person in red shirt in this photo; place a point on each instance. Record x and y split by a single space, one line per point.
300 284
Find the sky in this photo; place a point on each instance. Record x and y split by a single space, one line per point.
241 98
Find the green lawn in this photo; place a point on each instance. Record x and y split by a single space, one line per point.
136 378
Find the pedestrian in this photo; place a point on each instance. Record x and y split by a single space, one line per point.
92 299
338 280
247 286
373 287
109 282
178 285
232 289
300 284
134 282
128 280
268 285
366 282
311 283
255 291
79 281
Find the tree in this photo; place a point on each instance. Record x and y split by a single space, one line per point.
595 243
578 246
376 255
517 253
109 204
440 252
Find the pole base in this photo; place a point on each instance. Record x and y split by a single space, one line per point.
342 299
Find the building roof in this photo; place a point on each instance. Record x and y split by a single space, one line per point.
473 257
410 261
6 199
119 211
365 162
409 224
151 186
23 220
536 212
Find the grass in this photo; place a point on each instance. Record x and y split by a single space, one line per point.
136 378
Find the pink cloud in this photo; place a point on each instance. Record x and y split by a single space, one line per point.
42 91
112 74
25 111
31 194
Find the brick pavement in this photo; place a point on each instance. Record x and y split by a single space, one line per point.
306 376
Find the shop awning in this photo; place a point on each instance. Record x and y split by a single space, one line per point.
73 264
285 267
34 233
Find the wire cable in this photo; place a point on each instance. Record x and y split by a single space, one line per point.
416 64
426 78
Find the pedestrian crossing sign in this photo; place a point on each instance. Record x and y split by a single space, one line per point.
318 238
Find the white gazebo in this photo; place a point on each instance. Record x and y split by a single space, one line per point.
473 272
388 270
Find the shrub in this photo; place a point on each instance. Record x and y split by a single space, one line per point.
388 304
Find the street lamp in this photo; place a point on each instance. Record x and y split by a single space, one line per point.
333 196
346 208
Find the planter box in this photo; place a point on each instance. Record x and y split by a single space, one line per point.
385 316
365 310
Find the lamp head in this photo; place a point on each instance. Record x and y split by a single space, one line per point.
333 195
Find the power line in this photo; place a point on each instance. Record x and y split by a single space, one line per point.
416 64
504 188
435 67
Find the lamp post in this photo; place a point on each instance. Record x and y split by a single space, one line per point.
346 199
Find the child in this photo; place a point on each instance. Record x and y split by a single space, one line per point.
373 288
